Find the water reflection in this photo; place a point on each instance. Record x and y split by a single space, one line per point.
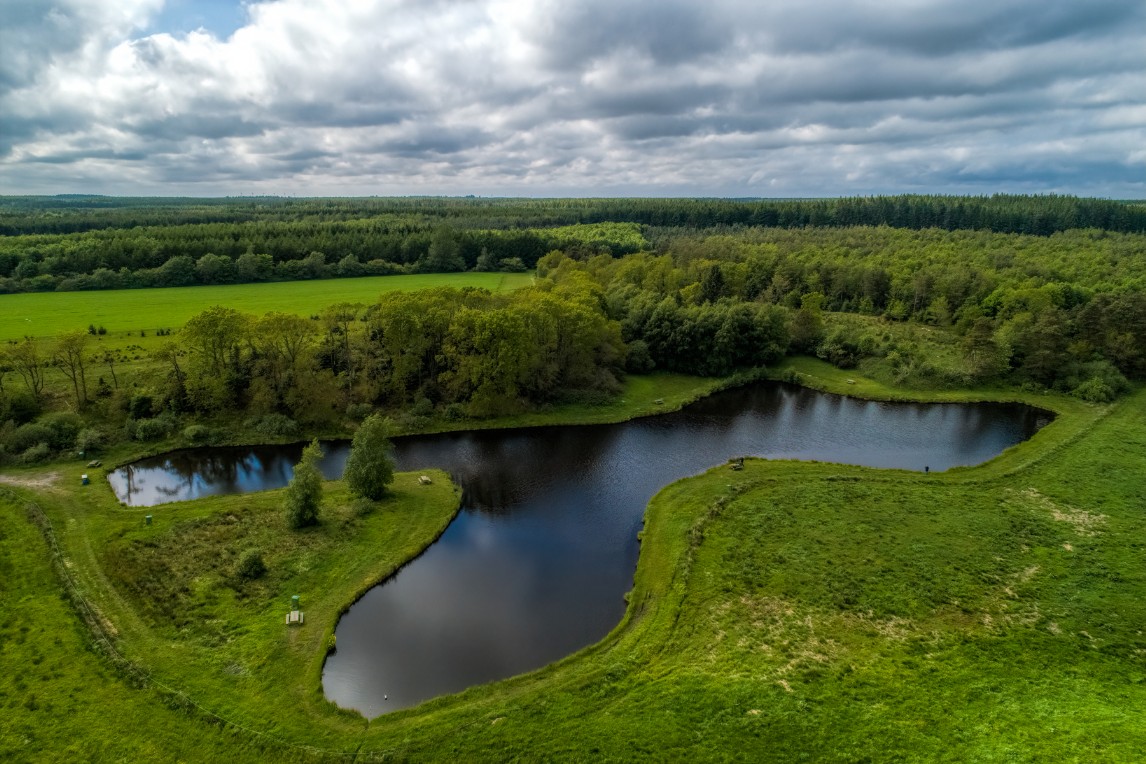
536 564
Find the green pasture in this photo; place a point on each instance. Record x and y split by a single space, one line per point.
46 314
786 612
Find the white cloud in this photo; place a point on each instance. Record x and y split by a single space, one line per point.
578 96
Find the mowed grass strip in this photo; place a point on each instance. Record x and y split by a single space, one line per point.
46 314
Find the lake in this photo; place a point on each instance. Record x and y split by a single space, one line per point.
536 564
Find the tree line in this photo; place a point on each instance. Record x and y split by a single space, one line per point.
51 243
483 353
1004 213
230 253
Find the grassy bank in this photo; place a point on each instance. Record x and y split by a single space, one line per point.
787 612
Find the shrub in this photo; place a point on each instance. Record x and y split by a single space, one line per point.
152 429
196 434
363 506
841 349
37 453
274 425
251 565
64 426
1097 382
28 435
90 439
141 406
455 412
22 407
359 411
1095 390
512 265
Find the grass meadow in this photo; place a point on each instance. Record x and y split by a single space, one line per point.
46 314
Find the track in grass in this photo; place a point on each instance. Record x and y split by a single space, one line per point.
45 314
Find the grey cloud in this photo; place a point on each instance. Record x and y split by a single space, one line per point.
338 114
941 28
422 140
588 96
670 32
31 35
71 157
194 125
304 155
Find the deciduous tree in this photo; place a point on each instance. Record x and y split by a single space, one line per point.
304 493
369 469
70 356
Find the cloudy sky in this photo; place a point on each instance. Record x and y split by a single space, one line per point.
573 97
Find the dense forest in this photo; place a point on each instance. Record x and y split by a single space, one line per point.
1064 312
79 243
926 307
1044 214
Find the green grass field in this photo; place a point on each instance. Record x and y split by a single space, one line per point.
46 314
788 612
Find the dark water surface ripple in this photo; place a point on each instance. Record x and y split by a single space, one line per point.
536 564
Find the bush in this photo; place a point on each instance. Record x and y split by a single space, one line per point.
791 376
274 425
455 412
359 411
141 406
64 426
251 565
152 429
363 507
90 439
1095 390
22 407
841 349
28 435
512 265
196 434
411 422
37 453
1097 382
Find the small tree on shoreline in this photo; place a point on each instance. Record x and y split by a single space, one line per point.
304 494
369 469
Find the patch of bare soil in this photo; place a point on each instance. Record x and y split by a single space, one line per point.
47 480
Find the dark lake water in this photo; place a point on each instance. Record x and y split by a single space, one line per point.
536 564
